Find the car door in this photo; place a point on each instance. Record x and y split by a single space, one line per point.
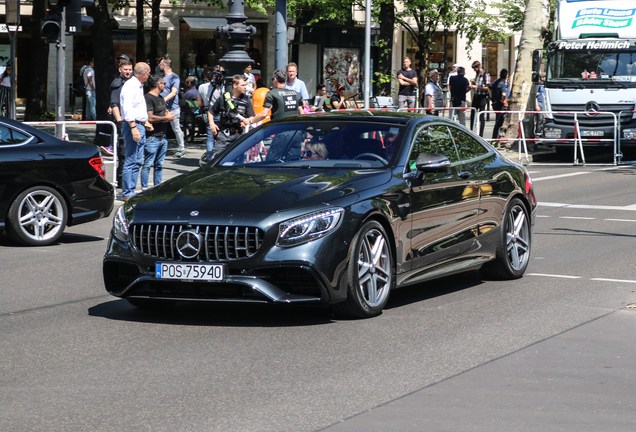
444 208
487 178
13 162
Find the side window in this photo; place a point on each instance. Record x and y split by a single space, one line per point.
467 146
433 139
10 136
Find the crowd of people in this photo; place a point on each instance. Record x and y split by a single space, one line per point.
485 92
145 104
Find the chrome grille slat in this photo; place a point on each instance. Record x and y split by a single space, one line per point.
226 248
220 242
207 245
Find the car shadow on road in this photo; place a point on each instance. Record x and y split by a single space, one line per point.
67 238
216 314
434 288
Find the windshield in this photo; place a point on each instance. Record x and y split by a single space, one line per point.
319 143
584 65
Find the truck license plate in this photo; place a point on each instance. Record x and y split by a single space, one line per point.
594 133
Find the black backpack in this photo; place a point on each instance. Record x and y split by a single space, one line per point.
496 91
78 83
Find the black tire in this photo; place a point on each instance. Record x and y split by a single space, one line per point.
37 217
151 304
370 274
514 244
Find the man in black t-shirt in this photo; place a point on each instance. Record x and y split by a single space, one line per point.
281 102
233 109
408 81
498 100
459 86
156 142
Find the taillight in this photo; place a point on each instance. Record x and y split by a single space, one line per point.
529 188
98 164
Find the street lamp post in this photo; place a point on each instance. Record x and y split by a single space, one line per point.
234 37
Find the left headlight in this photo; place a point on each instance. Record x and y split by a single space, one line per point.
120 225
309 227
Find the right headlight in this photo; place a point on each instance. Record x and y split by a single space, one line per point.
309 227
120 225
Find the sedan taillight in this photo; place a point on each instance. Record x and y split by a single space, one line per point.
530 188
98 164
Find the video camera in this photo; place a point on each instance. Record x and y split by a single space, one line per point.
217 78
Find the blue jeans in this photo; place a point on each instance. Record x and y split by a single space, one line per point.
154 155
134 157
90 105
209 144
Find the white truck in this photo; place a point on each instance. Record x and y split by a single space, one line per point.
591 67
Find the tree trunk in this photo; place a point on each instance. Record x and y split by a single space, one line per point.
536 22
141 45
37 77
387 26
154 32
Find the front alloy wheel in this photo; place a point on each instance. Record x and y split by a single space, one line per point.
38 216
370 273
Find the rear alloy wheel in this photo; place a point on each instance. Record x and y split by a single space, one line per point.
370 273
37 217
513 250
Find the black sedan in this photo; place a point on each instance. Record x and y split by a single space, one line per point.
332 208
47 184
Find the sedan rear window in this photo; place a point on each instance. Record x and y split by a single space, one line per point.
10 136
319 144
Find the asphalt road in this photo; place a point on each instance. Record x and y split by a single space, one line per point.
460 354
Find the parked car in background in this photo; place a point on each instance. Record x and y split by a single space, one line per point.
47 184
334 209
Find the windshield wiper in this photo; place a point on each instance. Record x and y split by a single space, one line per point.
567 81
620 84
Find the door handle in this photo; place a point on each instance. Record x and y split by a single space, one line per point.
464 174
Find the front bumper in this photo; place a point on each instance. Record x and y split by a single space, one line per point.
309 273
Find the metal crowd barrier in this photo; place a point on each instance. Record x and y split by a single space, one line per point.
114 138
578 138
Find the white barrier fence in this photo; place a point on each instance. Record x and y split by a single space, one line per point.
578 137
114 138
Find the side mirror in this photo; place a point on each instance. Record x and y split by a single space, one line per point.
432 162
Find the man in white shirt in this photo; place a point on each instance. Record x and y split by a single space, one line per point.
88 73
135 115
295 83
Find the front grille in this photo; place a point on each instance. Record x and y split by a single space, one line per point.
622 111
219 242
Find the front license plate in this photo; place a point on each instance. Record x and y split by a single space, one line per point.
194 272
591 133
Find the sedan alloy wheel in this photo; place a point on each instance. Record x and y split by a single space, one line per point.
38 216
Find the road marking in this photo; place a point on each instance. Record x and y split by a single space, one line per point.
544 216
554 276
613 280
559 176
631 207
621 220
576 217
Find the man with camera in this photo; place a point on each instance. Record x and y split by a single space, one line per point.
209 92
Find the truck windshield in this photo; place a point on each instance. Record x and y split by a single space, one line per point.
579 65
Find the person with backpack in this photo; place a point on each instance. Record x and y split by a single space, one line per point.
88 74
498 101
232 109
193 70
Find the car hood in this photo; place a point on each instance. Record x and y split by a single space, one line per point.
263 190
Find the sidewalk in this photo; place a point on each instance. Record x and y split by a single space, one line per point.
578 380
